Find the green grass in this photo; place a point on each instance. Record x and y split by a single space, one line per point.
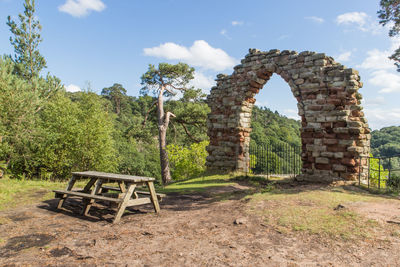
15 192
313 211
200 184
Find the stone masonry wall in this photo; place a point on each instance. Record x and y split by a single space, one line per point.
334 130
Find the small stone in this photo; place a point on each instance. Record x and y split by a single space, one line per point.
240 221
339 207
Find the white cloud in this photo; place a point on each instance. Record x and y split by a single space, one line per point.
291 114
200 54
379 100
225 33
379 117
237 23
202 81
81 8
263 103
383 73
315 19
344 56
363 22
377 60
359 18
283 37
72 88
389 82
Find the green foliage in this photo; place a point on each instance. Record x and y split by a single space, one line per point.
190 123
187 162
117 95
17 116
394 181
75 136
278 133
386 143
270 127
175 76
377 174
26 39
390 13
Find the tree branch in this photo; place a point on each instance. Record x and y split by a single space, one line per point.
188 133
148 112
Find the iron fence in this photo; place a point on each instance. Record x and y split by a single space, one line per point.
383 172
279 159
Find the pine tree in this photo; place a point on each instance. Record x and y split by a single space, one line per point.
26 39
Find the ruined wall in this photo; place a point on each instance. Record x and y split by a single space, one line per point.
334 131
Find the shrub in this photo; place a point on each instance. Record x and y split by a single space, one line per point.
187 162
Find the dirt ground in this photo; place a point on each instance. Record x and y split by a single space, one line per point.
191 230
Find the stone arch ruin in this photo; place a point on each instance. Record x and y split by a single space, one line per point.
334 133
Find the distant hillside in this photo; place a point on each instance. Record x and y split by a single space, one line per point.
386 142
271 127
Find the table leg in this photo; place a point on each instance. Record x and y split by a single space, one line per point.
89 185
153 196
124 203
69 187
96 190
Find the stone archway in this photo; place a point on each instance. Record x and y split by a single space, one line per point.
334 133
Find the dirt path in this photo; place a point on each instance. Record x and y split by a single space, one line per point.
191 230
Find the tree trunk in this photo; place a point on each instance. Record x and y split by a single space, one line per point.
165 172
163 122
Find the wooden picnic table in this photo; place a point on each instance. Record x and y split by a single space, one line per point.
96 190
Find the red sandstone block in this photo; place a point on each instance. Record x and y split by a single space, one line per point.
315 107
310 96
330 141
348 162
334 101
326 167
336 148
339 124
352 169
255 84
306 135
263 75
343 136
329 135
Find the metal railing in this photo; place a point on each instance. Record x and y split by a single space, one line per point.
382 173
279 159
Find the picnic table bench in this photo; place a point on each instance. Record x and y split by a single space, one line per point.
125 195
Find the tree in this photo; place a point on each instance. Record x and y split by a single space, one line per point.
390 12
26 41
165 81
117 95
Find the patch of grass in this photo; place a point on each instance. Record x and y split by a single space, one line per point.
200 184
313 211
14 192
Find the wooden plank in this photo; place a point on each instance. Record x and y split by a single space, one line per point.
153 196
88 203
114 188
89 185
138 201
124 203
64 196
85 195
160 195
122 186
113 176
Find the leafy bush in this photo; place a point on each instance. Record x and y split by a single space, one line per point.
377 174
394 181
187 162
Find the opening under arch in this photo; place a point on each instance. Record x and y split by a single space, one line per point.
335 135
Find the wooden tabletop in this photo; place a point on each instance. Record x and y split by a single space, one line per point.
113 176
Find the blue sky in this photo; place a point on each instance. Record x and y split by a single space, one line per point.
102 42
